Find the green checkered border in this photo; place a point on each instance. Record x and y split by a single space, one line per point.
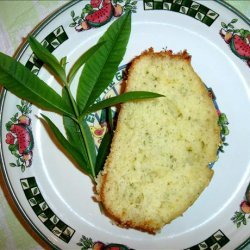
51 42
43 211
216 241
186 7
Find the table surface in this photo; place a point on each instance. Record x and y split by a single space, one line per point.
15 233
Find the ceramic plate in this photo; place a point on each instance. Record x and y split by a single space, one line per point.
56 198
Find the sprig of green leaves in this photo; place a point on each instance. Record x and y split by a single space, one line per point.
20 81
100 65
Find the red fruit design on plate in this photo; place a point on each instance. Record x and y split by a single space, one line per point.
23 119
19 137
98 132
99 12
228 37
24 138
28 158
10 139
98 245
105 2
240 217
118 10
88 243
240 47
95 3
101 16
238 40
245 207
85 25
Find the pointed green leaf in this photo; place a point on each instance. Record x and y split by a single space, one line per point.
104 147
44 55
82 59
89 142
103 151
24 84
102 66
110 119
75 154
129 96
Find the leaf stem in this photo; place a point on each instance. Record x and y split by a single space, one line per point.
92 165
78 120
72 100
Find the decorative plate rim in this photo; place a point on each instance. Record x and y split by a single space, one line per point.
17 55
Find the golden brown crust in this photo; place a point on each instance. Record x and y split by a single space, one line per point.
181 55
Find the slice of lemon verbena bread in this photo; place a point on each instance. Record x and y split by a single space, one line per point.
158 164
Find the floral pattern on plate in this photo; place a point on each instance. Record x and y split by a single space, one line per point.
99 12
87 243
20 136
237 39
241 217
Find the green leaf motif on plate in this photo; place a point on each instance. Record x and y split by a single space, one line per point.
55 43
218 236
55 219
203 245
215 247
45 43
44 206
56 231
24 184
199 16
187 7
166 6
33 201
183 10
35 191
212 14
35 71
212 242
149 4
67 232
58 31
195 6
